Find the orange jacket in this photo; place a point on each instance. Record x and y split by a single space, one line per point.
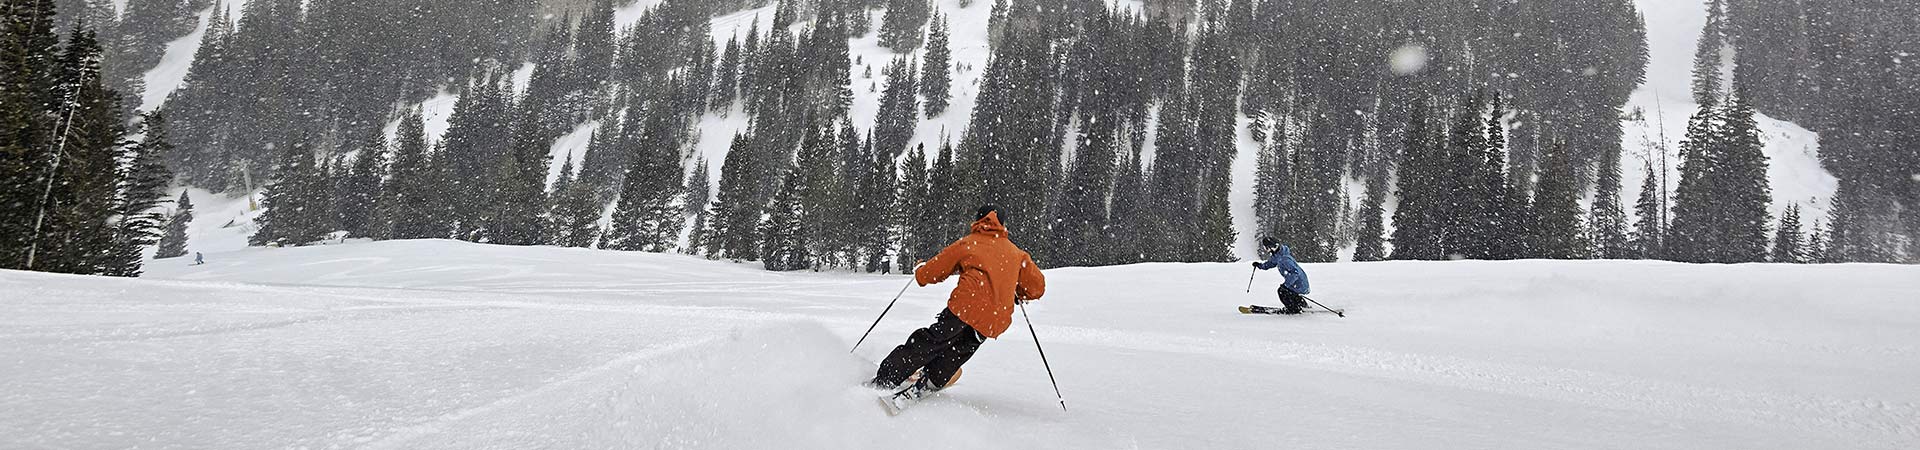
993 272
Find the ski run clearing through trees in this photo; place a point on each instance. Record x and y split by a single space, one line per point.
445 344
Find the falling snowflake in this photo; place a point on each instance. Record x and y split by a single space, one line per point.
1408 59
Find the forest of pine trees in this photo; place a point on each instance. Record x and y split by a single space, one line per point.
80 197
1107 135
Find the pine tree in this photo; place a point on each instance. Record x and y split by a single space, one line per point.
1495 239
824 199
1214 242
1816 249
519 178
28 49
1561 232
173 242
1649 233
480 136
699 188
737 210
648 217
899 109
295 200
1744 192
77 233
1709 54
900 27
410 198
783 245
915 210
1371 245
360 199
1416 220
575 214
1464 228
727 81
877 203
1789 241
935 65
1611 239
141 193
1083 221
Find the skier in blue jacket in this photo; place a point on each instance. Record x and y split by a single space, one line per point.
1279 256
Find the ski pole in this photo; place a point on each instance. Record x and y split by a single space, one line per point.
1331 310
883 315
1043 356
1250 276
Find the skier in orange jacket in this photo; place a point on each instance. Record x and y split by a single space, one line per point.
994 274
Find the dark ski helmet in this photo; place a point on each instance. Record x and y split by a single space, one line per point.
990 208
1268 242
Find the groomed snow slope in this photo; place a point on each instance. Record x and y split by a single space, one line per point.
441 344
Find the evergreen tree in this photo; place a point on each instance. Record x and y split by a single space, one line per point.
1816 249
783 243
1611 239
1649 233
1720 208
1789 241
899 109
648 217
296 201
900 27
916 210
1416 220
727 81
1129 215
1494 228
28 49
1371 245
699 188
362 193
935 65
1214 242
575 214
1561 232
173 242
76 208
737 211
410 196
519 178
1083 221
141 192
1709 54
1744 193
824 200
480 134
876 205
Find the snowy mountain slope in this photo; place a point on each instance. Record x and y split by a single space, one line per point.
442 344
1797 176
1793 165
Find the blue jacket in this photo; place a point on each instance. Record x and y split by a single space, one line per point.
1296 277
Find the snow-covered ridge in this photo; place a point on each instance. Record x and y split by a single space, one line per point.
446 344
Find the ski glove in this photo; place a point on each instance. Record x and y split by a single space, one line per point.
1256 264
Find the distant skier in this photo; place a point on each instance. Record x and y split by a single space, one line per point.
1280 256
994 273
197 260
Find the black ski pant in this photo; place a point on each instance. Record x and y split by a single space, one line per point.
1292 300
940 349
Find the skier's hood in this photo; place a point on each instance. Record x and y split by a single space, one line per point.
990 225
